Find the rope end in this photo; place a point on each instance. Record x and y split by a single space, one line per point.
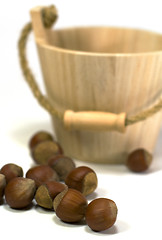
49 16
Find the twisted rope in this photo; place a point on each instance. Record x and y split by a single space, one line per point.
49 16
144 114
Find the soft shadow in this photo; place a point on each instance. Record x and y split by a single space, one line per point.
118 228
2 202
42 210
71 225
111 231
97 193
16 210
92 196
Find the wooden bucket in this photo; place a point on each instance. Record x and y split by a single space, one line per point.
101 69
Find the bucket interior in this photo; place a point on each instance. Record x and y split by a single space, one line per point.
106 40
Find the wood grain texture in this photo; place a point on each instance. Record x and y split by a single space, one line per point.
37 24
103 69
94 121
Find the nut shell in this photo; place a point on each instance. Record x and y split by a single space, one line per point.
63 165
101 214
11 171
2 185
44 150
70 205
39 137
19 192
83 179
42 174
139 160
46 193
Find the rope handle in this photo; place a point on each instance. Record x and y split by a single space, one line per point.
80 120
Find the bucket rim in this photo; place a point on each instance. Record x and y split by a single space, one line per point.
43 43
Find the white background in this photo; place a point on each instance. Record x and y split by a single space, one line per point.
138 196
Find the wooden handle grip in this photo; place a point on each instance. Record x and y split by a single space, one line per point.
94 121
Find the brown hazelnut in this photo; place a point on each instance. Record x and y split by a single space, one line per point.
2 185
83 179
70 205
46 193
42 174
63 165
11 171
101 214
39 137
19 192
139 160
44 150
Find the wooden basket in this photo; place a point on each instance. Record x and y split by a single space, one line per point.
98 70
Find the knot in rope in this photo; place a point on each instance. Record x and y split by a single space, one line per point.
49 16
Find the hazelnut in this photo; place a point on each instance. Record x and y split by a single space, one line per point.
19 192
46 193
139 160
2 185
11 171
101 214
44 150
62 165
42 174
83 179
70 205
39 137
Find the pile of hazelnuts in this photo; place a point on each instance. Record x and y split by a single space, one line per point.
57 184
